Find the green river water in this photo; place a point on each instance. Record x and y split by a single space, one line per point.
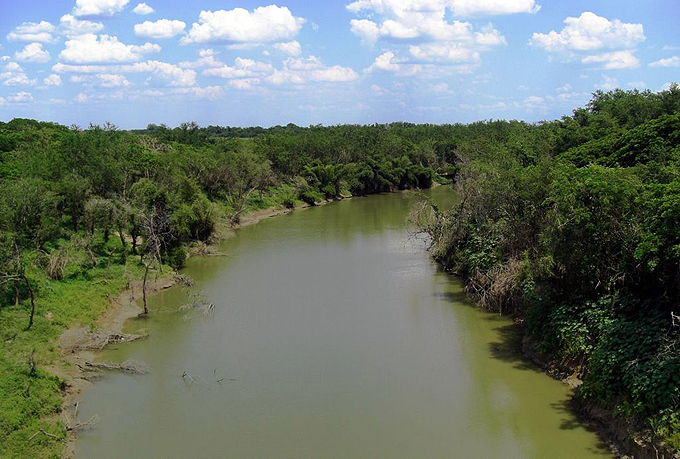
334 336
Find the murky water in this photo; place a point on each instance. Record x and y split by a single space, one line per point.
334 336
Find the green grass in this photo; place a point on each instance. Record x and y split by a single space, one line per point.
30 401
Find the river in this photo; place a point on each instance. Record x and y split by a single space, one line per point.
334 335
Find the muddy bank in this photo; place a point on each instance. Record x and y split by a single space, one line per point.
80 344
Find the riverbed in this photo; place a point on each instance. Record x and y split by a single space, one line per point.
333 335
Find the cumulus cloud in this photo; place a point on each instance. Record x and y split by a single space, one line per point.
492 7
423 27
33 52
590 32
444 52
33 32
104 80
13 74
52 80
263 25
290 47
172 74
668 62
142 9
163 28
206 59
298 71
72 26
242 68
388 62
99 7
614 60
89 48
20 97
457 7
367 30
244 84
385 62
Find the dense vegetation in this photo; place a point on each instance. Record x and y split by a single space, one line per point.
574 226
83 213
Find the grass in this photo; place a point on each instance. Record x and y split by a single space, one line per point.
31 400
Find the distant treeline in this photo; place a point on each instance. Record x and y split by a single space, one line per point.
574 226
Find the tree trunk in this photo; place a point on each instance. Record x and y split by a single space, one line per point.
16 293
146 274
30 291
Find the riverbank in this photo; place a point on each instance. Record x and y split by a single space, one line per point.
79 344
624 436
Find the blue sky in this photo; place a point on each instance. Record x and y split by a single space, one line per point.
243 63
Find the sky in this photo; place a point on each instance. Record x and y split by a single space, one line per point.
309 62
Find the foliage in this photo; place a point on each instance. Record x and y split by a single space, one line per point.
580 236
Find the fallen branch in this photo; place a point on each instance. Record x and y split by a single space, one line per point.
43 432
90 422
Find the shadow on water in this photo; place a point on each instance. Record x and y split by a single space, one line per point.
457 298
572 421
508 347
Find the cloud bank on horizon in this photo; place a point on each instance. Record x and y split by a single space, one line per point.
362 61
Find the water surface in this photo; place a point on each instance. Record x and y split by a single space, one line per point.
334 336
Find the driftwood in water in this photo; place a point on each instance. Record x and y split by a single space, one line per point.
81 425
129 366
98 341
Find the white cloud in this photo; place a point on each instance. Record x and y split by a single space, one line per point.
385 62
298 71
423 26
492 7
13 75
33 52
457 7
336 74
143 9
447 52
244 84
88 48
607 83
72 26
104 80
163 28
590 32
52 80
170 73
367 30
21 97
673 61
291 47
34 32
263 25
441 88
99 7
206 59
614 60
242 68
